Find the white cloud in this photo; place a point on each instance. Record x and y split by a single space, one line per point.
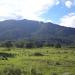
68 20
28 9
68 4
48 21
57 2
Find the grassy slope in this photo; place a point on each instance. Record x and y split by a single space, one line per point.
53 62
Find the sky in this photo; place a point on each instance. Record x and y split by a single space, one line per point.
60 12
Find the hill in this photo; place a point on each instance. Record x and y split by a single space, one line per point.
28 29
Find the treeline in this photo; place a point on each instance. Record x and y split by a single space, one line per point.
29 44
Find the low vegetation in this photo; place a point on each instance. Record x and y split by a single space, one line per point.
37 61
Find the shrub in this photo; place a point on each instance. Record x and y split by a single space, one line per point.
5 55
54 74
11 71
57 63
38 54
34 72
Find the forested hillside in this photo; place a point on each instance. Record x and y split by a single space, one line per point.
34 30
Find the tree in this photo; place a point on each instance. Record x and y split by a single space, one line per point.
29 45
47 44
7 44
58 45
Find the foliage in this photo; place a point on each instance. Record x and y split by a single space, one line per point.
7 44
11 70
38 54
58 45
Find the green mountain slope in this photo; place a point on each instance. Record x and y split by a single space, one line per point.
28 29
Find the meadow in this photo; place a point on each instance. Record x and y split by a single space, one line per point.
37 61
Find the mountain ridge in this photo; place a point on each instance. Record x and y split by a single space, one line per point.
29 29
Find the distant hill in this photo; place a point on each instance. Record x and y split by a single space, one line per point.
28 29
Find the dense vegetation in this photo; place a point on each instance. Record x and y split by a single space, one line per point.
30 44
37 61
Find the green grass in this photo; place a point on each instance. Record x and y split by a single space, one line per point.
53 61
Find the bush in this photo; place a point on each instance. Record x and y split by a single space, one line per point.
38 54
11 71
54 73
57 63
5 55
34 72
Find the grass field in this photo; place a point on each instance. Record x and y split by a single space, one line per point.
37 61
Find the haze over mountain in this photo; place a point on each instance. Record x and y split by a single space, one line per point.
29 29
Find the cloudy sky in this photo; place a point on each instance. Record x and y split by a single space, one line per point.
57 11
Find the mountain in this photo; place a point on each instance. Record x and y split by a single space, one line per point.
28 29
